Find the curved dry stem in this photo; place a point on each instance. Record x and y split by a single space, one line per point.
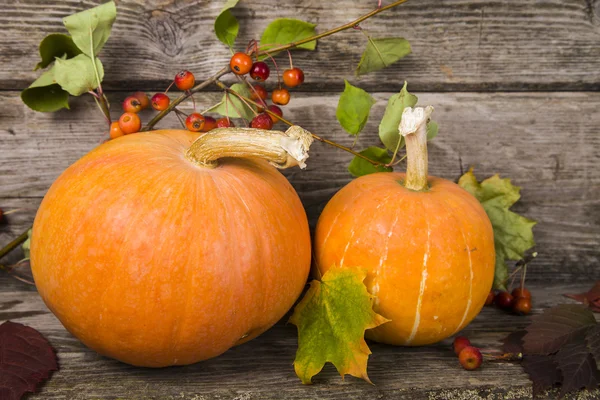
281 149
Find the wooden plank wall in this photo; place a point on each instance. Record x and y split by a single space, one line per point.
515 87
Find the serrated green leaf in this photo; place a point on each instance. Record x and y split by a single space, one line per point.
227 26
332 318
56 45
359 167
353 108
45 95
513 234
234 106
27 244
90 29
288 30
77 75
381 53
388 127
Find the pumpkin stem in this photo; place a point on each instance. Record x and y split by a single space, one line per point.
281 149
413 127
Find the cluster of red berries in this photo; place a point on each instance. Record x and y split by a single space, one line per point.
469 356
519 301
242 64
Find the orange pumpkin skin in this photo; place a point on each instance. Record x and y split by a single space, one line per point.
152 260
429 255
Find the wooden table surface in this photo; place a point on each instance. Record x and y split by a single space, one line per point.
515 88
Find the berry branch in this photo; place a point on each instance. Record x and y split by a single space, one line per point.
285 121
184 96
16 242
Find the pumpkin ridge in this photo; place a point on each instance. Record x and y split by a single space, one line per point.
422 285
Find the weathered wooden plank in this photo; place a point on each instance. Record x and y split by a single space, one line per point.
457 45
546 142
262 368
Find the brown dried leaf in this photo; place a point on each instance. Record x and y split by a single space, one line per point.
590 298
513 343
543 372
556 327
26 359
577 366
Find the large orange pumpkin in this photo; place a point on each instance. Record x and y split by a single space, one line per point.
427 244
157 259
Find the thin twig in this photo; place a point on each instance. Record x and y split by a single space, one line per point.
349 25
320 139
16 242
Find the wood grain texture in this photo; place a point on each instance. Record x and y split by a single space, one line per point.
547 143
457 45
262 368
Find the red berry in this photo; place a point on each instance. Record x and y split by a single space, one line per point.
209 124
260 71
184 80
261 93
160 101
504 300
194 122
521 292
460 342
115 130
132 104
130 123
293 77
224 123
275 110
240 63
522 306
490 298
280 96
143 99
262 121
470 358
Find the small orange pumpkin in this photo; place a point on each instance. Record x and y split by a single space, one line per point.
427 244
159 257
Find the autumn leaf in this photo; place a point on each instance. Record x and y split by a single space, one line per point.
26 359
591 298
332 318
513 234
551 330
560 346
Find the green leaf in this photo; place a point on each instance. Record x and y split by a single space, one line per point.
359 167
432 130
388 127
287 30
56 45
332 318
226 25
353 108
234 104
26 244
513 234
90 29
381 53
77 75
45 95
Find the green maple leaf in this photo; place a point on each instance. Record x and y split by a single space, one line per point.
513 234
332 318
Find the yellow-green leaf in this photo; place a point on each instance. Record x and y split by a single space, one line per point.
288 30
332 318
226 25
45 95
27 244
56 45
90 29
388 127
513 234
359 166
381 53
353 108
77 75
231 106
